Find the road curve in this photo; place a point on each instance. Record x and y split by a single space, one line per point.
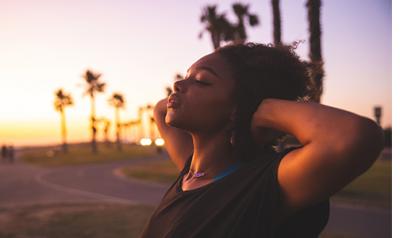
22 184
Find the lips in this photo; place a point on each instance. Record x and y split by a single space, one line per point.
173 101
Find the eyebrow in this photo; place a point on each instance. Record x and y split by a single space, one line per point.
207 69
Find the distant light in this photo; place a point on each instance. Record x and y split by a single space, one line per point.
145 141
159 142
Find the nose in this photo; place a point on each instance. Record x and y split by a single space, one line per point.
178 86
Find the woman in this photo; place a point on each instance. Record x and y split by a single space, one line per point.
220 127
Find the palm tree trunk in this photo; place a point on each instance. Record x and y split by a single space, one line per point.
63 132
241 35
215 40
106 130
314 8
117 129
152 131
140 129
93 123
277 22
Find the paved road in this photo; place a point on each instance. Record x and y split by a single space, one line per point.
22 184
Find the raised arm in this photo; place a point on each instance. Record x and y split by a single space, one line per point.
178 143
338 146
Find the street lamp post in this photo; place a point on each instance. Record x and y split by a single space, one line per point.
378 114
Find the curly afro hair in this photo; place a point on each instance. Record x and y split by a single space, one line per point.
262 71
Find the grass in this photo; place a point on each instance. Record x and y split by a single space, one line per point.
74 220
373 188
83 221
156 171
81 154
80 221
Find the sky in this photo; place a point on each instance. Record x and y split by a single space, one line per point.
138 47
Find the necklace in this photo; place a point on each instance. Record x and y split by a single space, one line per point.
198 174
227 171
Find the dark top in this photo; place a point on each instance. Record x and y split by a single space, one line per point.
245 203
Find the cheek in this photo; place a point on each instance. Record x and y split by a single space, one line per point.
211 109
202 110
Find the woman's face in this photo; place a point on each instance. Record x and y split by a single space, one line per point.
203 101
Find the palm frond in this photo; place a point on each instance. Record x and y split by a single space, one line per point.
62 100
240 9
117 100
253 20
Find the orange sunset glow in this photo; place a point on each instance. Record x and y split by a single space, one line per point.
139 47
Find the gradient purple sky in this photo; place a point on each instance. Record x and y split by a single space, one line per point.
139 46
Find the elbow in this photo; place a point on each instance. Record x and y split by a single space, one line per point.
372 136
364 144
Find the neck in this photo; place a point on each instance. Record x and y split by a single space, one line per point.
211 154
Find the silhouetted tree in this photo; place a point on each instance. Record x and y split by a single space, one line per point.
106 126
93 86
61 101
168 90
242 13
378 114
178 76
221 29
316 64
217 25
105 131
276 21
117 101
152 122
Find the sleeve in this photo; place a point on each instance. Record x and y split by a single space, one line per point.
264 195
277 198
275 166
308 222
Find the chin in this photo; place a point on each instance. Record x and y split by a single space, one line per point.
171 118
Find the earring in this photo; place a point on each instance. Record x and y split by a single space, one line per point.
232 127
232 139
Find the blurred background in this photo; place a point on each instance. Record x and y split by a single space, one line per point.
79 80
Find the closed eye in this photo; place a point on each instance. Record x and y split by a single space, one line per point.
198 81
201 82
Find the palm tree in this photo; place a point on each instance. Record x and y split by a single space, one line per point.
217 25
152 122
93 86
277 22
314 27
61 101
117 101
242 13
105 131
168 90
178 76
